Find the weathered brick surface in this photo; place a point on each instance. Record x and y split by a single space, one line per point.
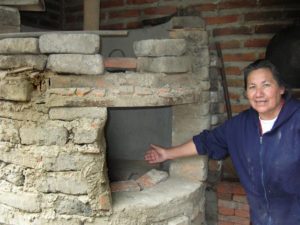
69 43
19 46
63 182
76 64
162 47
152 178
14 61
165 64
190 168
69 114
129 185
233 207
43 135
22 200
15 89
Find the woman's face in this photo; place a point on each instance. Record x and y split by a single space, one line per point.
264 93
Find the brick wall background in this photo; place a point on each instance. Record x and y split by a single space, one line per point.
243 27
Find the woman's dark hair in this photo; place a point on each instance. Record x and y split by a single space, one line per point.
266 64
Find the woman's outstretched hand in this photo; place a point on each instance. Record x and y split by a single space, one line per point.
156 154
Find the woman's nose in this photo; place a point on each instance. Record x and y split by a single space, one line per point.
259 92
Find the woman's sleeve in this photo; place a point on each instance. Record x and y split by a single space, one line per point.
213 143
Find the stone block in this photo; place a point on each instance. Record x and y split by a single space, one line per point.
66 162
192 168
28 202
76 64
88 131
13 174
128 185
201 57
62 182
9 19
187 22
85 136
171 64
198 36
162 47
201 73
188 120
71 206
19 46
15 89
73 113
69 43
14 61
10 109
43 135
9 131
48 158
183 220
152 178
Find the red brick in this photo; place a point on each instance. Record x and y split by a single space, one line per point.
275 2
238 190
105 202
129 185
117 26
236 4
205 7
232 70
256 43
234 96
234 219
225 211
224 196
167 10
232 31
111 3
269 28
235 83
226 204
240 198
262 16
221 19
225 223
238 108
230 44
242 213
239 57
124 14
120 63
213 165
129 2
134 25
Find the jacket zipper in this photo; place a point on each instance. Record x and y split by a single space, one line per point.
263 179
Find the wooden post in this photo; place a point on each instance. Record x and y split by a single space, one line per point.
91 15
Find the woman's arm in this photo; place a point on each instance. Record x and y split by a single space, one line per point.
157 154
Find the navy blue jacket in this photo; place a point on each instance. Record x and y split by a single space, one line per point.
268 165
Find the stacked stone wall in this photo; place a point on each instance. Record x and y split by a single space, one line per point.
54 94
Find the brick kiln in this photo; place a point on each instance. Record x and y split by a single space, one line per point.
54 95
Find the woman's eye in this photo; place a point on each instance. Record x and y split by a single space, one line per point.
251 87
267 85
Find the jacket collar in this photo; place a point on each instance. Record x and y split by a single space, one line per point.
290 107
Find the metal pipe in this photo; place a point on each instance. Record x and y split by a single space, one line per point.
91 14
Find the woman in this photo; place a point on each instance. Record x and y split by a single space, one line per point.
264 145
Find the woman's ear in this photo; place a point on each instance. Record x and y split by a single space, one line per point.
282 90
